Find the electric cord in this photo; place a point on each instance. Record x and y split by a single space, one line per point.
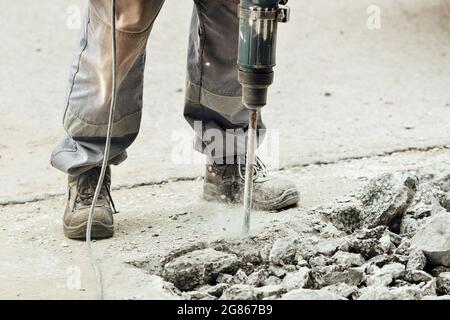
90 253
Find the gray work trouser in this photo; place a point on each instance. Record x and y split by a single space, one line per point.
213 93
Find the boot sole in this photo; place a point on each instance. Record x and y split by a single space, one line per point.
288 199
99 231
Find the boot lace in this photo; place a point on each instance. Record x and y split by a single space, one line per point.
259 169
86 190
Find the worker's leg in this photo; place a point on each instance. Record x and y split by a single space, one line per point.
88 104
213 98
214 109
89 94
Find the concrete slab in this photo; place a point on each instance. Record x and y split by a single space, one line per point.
342 90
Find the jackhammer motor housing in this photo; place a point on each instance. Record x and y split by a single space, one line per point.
257 47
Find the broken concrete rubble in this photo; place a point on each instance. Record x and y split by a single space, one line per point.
417 260
297 280
438 270
331 275
330 231
343 290
395 239
445 201
197 295
408 225
372 259
284 251
404 248
428 201
274 291
386 275
346 217
239 292
240 277
443 283
417 276
257 278
307 247
277 271
386 244
378 262
447 297
427 288
308 294
272 280
319 261
368 248
216 290
370 233
328 247
348 259
385 293
443 184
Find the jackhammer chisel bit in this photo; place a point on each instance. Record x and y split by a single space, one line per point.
257 51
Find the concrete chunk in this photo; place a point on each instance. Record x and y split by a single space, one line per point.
433 239
308 294
199 267
386 198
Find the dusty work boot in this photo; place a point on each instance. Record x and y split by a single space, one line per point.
81 195
225 183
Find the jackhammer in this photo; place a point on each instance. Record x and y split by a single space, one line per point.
257 54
